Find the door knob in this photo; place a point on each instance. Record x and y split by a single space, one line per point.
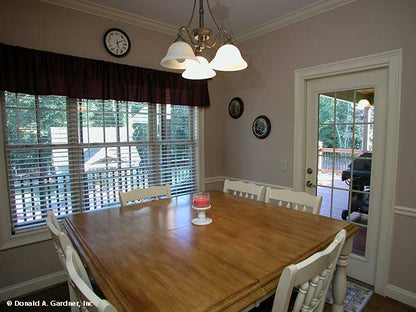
309 170
310 184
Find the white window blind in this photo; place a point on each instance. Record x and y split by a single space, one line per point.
74 155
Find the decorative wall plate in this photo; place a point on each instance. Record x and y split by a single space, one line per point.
261 127
236 107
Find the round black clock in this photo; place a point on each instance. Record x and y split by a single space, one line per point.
116 42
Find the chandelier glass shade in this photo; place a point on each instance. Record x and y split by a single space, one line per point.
178 53
228 58
186 51
198 70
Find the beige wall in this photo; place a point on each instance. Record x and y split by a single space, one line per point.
404 253
214 129
38 25
361 28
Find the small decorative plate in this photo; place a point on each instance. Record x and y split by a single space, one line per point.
236 107
261 127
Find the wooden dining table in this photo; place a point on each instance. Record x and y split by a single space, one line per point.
150 257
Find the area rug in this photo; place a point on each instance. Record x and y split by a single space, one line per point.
356 299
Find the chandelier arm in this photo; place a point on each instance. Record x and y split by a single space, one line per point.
212 16
187 30
218 39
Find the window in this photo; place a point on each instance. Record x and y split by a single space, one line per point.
74 155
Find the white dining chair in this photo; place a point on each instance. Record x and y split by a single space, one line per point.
244 189
312 276
296 200
140 194
80 282
60 241
55 230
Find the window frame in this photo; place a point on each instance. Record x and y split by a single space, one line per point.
41 233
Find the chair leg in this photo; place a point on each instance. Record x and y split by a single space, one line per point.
339 284
73 298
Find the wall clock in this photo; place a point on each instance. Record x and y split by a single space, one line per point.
116 42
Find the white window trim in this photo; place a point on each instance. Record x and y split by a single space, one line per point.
41 233
201 148
7 240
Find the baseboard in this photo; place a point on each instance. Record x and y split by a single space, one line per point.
215 179
222 179
401 295
24 288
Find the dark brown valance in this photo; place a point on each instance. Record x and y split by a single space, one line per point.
45 73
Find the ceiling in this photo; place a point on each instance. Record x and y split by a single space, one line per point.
237 15
246 19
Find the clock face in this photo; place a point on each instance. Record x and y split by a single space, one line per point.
116 42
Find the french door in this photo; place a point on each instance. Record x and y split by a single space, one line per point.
345 144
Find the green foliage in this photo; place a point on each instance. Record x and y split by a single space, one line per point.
339 134
30 119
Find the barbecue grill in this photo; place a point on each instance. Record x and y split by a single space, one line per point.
361 179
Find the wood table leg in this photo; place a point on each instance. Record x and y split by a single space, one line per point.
339 284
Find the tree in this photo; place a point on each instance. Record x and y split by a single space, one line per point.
336 121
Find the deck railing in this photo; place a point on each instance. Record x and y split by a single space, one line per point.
337 159
32 197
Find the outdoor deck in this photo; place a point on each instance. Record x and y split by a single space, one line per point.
340 203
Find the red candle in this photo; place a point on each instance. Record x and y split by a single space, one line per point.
201 200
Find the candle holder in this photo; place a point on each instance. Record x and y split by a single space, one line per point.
201 203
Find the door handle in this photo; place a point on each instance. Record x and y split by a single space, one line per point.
310 184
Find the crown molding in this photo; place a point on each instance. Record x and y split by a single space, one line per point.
151 24
291 18
115 15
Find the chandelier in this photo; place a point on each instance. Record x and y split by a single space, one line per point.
186 51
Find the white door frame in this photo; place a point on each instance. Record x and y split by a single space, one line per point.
392 60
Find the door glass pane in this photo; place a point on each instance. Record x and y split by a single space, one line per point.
364 108
345 144
326 193
344 106
325 170
327 102
343 138
339 203
326 140
359 241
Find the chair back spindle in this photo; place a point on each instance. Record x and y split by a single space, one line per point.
244 189
138 195
313 277
300 201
